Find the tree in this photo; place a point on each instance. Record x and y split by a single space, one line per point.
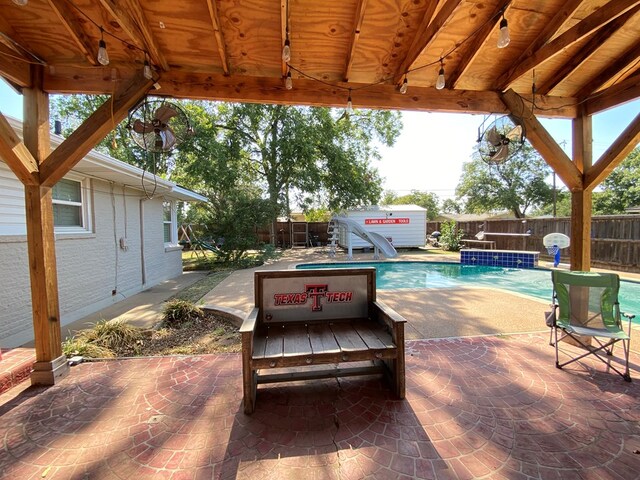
426 200
516 185
450 205
621 189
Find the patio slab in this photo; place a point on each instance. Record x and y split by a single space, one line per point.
484 407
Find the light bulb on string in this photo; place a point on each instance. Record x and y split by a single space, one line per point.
440 82
503 37
288 83
103 56
405 86
349 103
21 3
286 50
147 71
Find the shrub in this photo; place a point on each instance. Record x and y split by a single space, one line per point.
80 346
450 236
178 312
115 335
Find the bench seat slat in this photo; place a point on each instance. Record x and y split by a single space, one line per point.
296 341
274 342
374 335
347 337
322 339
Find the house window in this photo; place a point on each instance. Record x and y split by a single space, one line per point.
168 217
69 206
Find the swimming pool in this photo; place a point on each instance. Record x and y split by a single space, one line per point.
533 282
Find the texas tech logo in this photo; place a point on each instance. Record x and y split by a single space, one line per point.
313 293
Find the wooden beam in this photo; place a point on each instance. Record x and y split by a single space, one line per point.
284 33
427 32
473 46
610 72
625 91
355 36
50 363
543 142
217 87
596 20
68 16
215 23
130 16
15 71
586 51
16 155
580 250
615 155
92 131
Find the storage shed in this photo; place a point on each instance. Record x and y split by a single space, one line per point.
405 226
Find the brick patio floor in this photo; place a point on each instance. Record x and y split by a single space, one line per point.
484 407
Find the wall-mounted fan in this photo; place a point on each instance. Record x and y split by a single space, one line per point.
500 140
158 126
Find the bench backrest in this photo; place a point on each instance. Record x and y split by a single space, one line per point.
314 295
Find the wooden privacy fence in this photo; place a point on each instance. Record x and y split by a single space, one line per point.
615 239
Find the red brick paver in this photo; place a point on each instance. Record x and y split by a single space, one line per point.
489 407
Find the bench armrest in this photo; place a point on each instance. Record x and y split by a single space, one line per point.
249 323
387 314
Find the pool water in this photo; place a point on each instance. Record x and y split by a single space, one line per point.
533 282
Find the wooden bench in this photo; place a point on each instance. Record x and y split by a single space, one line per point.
489 243
304 319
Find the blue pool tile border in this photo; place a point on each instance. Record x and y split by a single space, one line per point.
499 258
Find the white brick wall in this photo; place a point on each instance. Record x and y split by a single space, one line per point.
90 265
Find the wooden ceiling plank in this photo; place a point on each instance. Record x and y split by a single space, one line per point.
615 155
586 51
615 68
16 155
427 32
215 23
69 19
355 36
15 71
596 20
625 91
543 142
92 131
475 43
131 18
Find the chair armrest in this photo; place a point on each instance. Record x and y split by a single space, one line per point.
388 314
249 323
629 317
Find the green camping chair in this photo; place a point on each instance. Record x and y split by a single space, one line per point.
585 306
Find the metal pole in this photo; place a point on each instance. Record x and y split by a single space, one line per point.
554 194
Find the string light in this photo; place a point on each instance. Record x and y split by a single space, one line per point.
349 103
503 37
103 56
147 70
288 83
440 82
405 86
286 50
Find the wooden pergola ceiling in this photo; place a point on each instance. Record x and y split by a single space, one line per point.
577 52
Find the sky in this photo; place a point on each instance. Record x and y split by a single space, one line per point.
430 152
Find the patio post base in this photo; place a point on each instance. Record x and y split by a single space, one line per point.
50 373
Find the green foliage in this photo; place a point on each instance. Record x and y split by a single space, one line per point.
516 185
81 346
450 236
317 215
451 206
426 200
178 312
621 189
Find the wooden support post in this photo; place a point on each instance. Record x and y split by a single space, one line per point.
51 364
581 199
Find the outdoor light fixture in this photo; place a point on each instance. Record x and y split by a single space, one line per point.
147 71
440 82
405 86
503 37
286 50
103 56
349 103
288 83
